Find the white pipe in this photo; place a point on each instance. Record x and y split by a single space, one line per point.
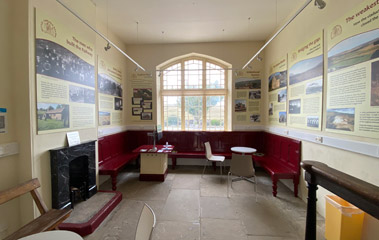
281 29
100 34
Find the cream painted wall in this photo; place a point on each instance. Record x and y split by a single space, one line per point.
308 23
150 56
18 95
9 212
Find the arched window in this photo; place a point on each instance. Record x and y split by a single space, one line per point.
193 92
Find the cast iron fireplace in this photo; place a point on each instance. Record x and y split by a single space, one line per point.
73 170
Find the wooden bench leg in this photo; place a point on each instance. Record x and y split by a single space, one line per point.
274 185
114 181
295 185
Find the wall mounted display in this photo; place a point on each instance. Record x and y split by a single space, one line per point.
277 93
352 105
142 95
110 89
3 120
247 97
305 81
65 77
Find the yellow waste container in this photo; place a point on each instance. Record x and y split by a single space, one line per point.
343 221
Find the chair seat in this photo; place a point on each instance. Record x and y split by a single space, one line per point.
217 158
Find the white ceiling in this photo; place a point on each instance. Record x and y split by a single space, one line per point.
189 21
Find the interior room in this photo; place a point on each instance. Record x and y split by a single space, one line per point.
113 112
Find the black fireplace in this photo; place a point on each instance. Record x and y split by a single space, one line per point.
73 169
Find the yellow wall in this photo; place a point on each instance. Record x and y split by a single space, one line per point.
309 22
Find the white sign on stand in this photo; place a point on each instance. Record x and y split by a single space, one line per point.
73 138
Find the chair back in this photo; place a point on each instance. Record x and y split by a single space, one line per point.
146 223
242 165
208 150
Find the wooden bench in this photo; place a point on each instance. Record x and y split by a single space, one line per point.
49 219
114 154
281 159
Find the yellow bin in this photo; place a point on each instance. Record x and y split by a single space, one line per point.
343 221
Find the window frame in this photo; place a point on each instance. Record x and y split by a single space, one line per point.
204 92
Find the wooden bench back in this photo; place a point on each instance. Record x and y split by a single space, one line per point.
29 186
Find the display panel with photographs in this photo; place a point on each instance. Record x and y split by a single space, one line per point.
306 70
65 77
142 96
110 87
247 97
353 79
277 95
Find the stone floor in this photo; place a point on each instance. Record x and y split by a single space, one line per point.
192 207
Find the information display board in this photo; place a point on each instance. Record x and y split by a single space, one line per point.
142 97
247 97
110 89
277 93
353 72
65 76
306 65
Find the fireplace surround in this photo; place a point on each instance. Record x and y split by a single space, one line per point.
81 161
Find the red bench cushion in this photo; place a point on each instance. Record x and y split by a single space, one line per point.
116 163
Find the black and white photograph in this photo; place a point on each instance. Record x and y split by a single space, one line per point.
136 111
313 121
136 101
117 103
147 105
107 85
53 60
295 106
144 93
255 118
146 116
271 109
255 94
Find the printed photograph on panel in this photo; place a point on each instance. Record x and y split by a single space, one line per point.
107 85
144 93
271 109
52 116
136 111
282 95
313 87
354 50
282 117
255 118
104 118
312 121
340 119
295 106
277 80
146 116
306 69
247 83
53 60
240 105
255 94
117 103
375 83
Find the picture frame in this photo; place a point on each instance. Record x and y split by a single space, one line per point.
146 116
136 100
147 105
136 111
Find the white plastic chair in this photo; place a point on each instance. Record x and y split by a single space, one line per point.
146 223
212 158
242 167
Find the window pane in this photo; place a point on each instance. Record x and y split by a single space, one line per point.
215 76
193 74
172 77
215 112
172 112
194 113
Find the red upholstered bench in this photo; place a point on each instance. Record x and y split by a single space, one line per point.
175 154
114 154
281 159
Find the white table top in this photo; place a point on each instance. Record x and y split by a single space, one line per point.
55 234
243 149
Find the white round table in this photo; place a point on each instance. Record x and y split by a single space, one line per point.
55 235
243 150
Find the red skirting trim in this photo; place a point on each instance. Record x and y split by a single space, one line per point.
83 229
153 177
